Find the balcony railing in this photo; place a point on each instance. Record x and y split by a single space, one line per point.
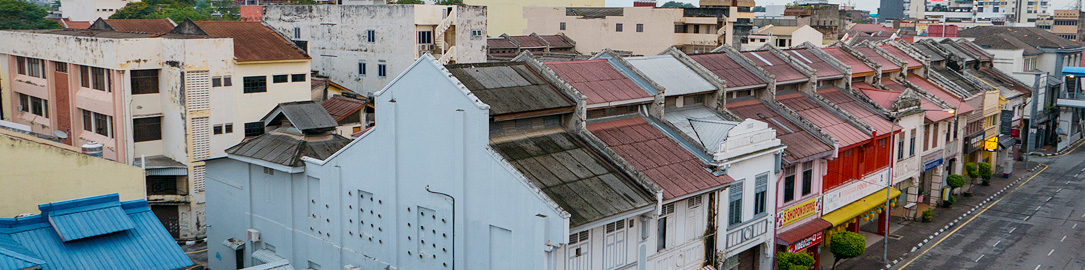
1072 99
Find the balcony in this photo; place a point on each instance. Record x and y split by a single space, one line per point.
1071 99
705 39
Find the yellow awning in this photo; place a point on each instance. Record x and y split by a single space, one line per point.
857 208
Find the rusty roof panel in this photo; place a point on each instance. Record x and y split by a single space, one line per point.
857 66
962 108
141 25
912 62
823 68
800 144
831 122
340 107
887 65
253 41
772 64
598 80
728 69
859 110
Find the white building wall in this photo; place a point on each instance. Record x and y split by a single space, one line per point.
90 10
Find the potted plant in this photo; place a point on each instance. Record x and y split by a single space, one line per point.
984 171
846 245
971 171
955 181
928 215
794 261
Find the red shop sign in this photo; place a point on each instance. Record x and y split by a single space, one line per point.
805 243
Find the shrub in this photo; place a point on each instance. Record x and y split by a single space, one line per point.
955 180
985 171
846 245
971 171
928 215
794 261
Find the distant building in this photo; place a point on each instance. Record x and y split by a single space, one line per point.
507 17
163 101
90 10
99 232
826 18
364 47
70 174
1065 23
892 9
739 13
505 47
783 36
640 30
351 112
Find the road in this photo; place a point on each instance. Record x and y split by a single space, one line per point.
1040 224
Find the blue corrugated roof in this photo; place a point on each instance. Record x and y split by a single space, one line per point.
86 217
15 256
146 245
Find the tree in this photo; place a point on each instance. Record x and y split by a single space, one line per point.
955 180
970 170
846 245
135 10
21 15
984 171
675 4
794 261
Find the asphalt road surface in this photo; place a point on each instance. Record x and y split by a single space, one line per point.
1039 225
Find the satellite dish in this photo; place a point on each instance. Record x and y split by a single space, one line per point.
60 134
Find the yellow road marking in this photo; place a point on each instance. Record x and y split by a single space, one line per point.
196 251
968 221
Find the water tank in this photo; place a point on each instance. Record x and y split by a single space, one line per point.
92 149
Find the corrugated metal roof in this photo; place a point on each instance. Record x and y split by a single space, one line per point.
556 41
253 41
141 25
578 179
857 66
509 87
831 122
340 107
823 68
287 149
933 111
772 64
598 80
658 157
1034 37
307 116
884 98
702 124
527 41
499 43
800 144
928 51
15 256
1007 80
673 75
959 80
962 108
728 69
887 65
912 62
147 245
87 217
864 113
948 46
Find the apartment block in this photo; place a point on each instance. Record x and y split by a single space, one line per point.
639 30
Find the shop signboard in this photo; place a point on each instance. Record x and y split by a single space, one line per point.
798 212
844 195
990 144
1005 122
805 243
930 164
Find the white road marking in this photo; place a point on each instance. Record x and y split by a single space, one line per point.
1026 218
1049 252
1057 191
1049 198
978 259
1037 267
1063 238
1014 228
996 243
1038 207
1075 226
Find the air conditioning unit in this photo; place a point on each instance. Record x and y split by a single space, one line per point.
254 235
425 47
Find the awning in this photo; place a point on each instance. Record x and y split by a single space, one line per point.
852 210
1005 141
802 231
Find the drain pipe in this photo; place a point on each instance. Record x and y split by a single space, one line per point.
453 223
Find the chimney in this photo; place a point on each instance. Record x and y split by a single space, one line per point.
644 3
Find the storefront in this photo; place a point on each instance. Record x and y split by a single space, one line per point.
973 145
798 229
932 179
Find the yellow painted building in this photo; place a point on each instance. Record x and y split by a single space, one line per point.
507 17
34 171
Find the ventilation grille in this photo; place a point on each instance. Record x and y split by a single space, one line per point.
197 90
197 177
201 138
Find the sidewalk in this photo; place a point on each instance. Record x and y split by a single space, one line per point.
914 232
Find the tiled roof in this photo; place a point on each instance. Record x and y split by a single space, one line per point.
598 80
143 243
983 56
253 41
857 66
556 41
1032 36
800 144
772 64
673 75
912 62
887 65
962 108
831 122
823 68
527 41
499 43
307 116
884 98
578 179
728 69
340 107
70 24
864 113
509 87
1006 42
657 156
141 25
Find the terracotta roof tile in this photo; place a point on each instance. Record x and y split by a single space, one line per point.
857 66
141 25
854 107
527 41
253 41
800 144
932 110
657 156
962 108
340 107
887 65
728 69
823 68
556 41
598 80
912 62
830 122
885 98
76 24
772 64
499 43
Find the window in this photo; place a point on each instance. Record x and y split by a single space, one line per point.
280 78
734 207
425 37
617 27
229 128
561 26
99 79
147 129
661 234
900 146
789 188
300 77
217 129
911 147
807 177
32 67
34 105
216 81
680 28
761 194
476 33
255 84
382 70
779 161
297 32
227 81
98 123
579 237
361 68
61 67
269 171
371 36
144 82
254 129
640 27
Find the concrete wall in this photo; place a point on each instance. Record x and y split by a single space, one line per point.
806 33
90 10
595 34
507 17
68 175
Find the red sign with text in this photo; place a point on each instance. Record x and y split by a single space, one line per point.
805 243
